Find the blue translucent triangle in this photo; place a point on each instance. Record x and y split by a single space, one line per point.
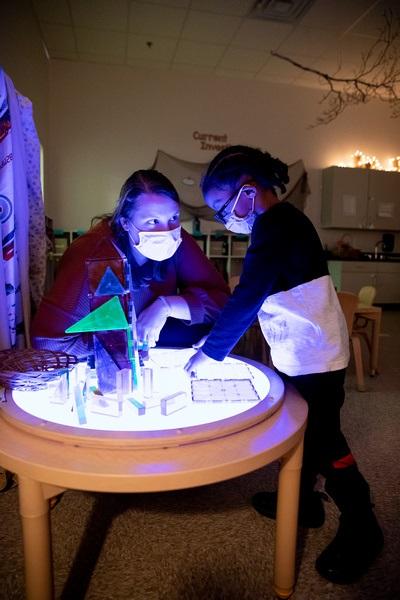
109 284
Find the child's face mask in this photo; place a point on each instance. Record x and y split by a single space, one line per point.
237 224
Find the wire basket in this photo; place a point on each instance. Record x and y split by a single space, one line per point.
30 369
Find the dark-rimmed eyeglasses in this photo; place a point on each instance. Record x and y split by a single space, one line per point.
220 215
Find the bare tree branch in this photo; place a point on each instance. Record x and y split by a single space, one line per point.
378 76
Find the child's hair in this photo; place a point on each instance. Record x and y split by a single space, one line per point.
229 166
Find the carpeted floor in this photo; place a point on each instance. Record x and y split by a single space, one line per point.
208 543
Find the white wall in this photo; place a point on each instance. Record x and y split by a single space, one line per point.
107 121
23 58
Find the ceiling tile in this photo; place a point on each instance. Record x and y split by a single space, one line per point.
143 63
175 3
59 37
243 59
335 15
374 20
350 48
53 11
161 49
64 55
198 54
100 14
212 35
104 59
307 41
196 69
260 34
95 41
156 20
237 8
206 27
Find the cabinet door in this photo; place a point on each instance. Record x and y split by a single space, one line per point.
357 274
388 283
344 198
384 200
353 282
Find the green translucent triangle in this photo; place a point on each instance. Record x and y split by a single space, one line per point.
108 316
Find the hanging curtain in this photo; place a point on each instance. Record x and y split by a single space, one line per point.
37 220
21 217
186 177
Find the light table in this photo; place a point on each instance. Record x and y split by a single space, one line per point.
50 458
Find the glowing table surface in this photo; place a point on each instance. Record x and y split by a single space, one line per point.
223 397
217 441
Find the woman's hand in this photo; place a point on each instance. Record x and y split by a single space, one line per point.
151 320
197 360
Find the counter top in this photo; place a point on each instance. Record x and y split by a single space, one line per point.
366 257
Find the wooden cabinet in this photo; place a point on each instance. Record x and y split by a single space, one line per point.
225 250
354 275
388 283
360 199
350 276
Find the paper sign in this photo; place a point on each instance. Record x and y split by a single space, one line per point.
349 205
386 210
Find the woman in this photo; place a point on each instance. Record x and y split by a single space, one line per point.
285 282
177 293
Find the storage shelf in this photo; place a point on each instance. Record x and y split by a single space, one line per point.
228 262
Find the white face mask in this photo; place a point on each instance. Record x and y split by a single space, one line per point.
237 224
158 245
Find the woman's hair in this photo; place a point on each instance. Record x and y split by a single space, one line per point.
229 166
140 182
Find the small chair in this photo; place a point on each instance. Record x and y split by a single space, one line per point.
366 297
349 303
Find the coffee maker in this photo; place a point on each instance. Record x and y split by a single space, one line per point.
387 242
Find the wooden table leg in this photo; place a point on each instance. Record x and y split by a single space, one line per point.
35 519
286 521
376 328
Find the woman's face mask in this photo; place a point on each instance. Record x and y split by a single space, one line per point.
156 233
157 245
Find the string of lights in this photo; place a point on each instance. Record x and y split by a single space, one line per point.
361 160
